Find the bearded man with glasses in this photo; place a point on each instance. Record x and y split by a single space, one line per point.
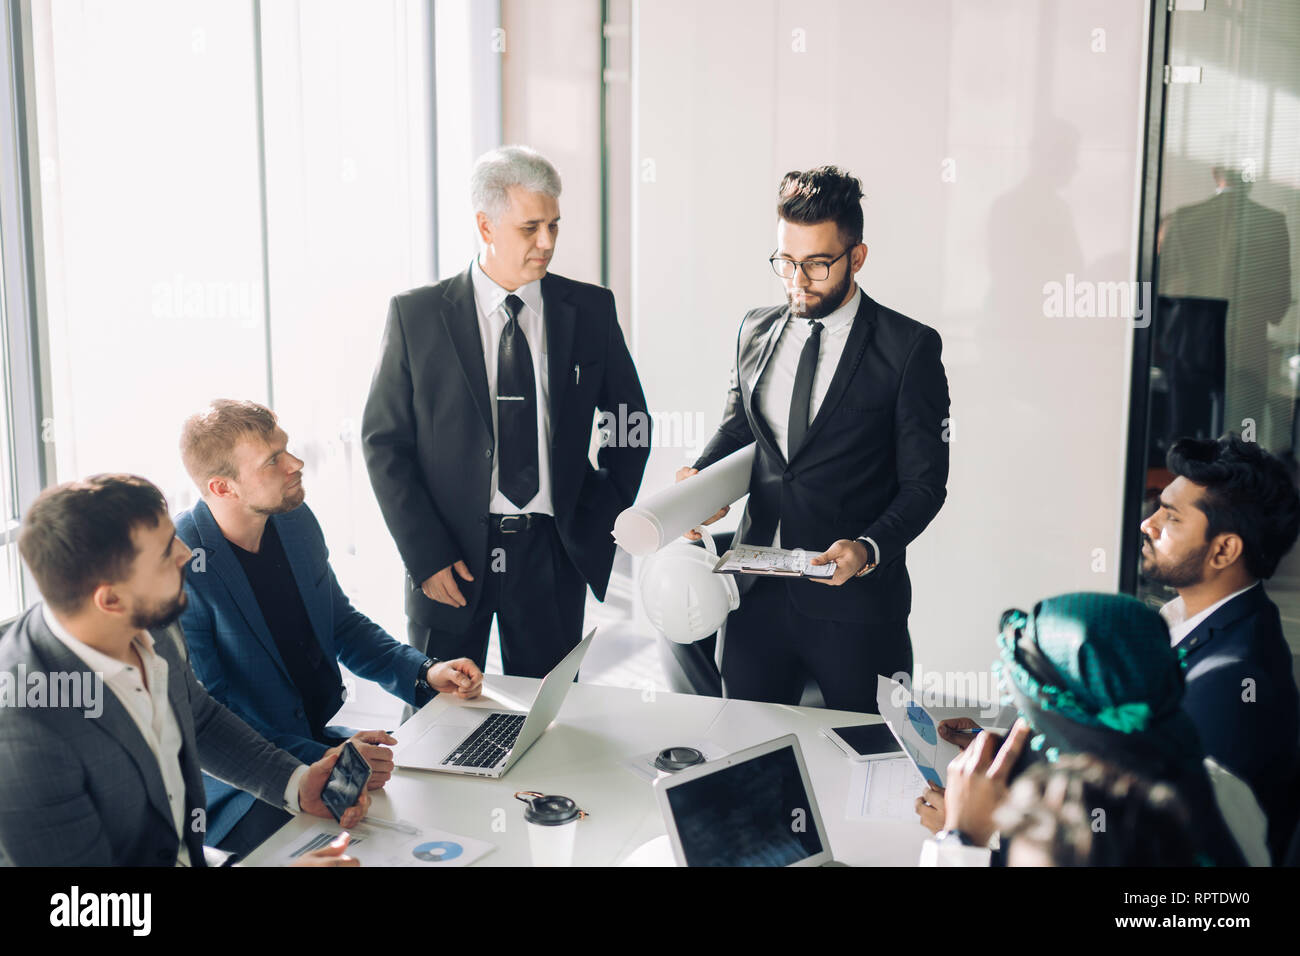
847 402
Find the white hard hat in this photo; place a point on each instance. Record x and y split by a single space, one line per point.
683 598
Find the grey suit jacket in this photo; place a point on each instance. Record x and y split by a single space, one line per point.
80 790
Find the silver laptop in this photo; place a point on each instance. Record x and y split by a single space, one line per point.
486 743
752 808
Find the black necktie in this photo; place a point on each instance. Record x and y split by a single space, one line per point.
516 411
801 397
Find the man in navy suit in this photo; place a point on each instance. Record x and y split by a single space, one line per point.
1222 526
267 623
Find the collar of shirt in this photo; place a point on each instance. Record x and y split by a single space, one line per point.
841 318
490 296
96 660
1174 610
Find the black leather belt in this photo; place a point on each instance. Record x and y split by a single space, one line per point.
510 524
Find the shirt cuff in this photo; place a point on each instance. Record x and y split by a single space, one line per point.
952 853
875 553
291 789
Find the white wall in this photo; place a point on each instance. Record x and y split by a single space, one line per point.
1042 131
468 48
550 100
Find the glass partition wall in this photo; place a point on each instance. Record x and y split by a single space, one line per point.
1223 349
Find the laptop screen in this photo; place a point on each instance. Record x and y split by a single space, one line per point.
754 813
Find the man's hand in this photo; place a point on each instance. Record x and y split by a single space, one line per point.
694 535
850 557
380 758
331 855
977 782
930 808
441 585
952 729
461 677
313 783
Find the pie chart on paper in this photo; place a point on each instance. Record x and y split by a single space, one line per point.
438 851
922 723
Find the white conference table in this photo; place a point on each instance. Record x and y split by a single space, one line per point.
582 756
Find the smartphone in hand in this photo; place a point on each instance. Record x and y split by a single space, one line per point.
348 779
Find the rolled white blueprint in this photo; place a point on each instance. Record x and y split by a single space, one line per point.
666 515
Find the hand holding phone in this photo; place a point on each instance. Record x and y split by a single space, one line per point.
335 786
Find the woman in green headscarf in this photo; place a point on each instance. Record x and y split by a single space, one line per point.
1095 674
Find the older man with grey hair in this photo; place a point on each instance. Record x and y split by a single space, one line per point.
477 430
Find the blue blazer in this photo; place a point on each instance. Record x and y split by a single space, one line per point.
236 658
1256 739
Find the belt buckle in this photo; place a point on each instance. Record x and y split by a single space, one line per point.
507 528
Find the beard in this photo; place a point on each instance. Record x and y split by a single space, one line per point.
1182 574
827 304
160 615
291 500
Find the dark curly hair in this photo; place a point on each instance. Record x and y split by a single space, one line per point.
1082 811
1248 492
820 195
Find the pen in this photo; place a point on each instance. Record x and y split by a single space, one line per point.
392 825
966 730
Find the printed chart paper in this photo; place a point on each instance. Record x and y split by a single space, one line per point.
915 730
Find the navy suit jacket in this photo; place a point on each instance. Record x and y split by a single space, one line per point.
1256 739
236 658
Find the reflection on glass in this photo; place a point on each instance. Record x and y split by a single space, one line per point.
1226 345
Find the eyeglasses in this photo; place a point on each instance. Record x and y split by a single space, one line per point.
814 269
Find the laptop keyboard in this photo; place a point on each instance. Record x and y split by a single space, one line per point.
492 740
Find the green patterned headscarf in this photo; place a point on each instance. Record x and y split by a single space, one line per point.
1095 673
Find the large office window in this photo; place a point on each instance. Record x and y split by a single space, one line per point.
22 465
232 192
1223 350
11 591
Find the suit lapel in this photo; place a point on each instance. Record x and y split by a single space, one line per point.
854 348
1222 619
560 319
114 721
221 560
460 318
749 383
169 644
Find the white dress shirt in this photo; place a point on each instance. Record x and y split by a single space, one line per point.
489 298
1174 612
151 709
775 388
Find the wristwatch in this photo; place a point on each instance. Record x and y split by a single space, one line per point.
422 678
955 835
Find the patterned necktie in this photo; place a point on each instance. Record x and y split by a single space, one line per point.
801 396
516 411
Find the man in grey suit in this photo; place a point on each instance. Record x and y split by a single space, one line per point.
104 730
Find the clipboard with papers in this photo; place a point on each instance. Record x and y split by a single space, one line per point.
773 562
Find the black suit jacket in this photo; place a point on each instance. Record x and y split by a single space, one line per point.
1255 739
874 462
428 442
